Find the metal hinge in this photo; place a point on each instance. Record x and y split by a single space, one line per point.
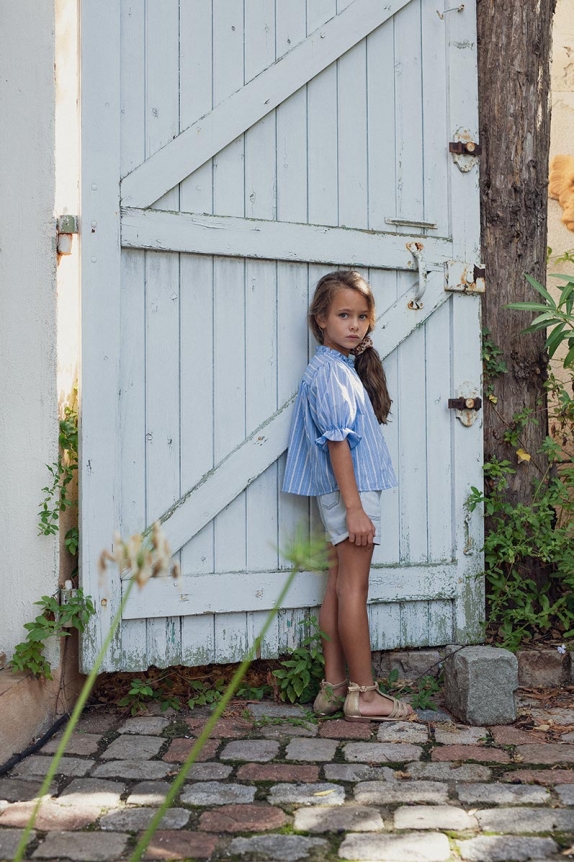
465 150
67 226
467 404
464 277
464 403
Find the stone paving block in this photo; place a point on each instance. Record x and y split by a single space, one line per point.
79 743
96 722
459 734
448 771
353 818
311 749
37 765
358 772
243 818
381 752
224 728
568 737
9 841
502 794
277 772
507 735
502 848
565 793
434 817
306 794
214 793
277 848
410 664
557 715
415 847
546 753
136 819
434 715
180 845
146 724
180 748
517 821
22 789
401 731
51 816
543 667
287 730
92 792
386 793
135 770
258 750
481 753
339 728
276 710
209 771
539 776
480 684
148 793
82 847
133 748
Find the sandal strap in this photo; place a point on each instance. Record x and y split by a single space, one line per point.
325 684
355 687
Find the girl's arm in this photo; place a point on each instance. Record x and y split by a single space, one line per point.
361 529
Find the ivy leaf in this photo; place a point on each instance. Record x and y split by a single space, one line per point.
522 455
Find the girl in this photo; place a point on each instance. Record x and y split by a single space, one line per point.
337 454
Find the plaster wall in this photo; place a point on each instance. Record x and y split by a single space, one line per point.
28 375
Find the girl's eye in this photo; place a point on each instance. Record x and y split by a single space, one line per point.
363 316
343 314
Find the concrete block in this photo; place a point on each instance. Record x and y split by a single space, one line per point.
480 684
545 668
409 663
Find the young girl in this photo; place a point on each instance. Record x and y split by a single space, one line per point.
338 455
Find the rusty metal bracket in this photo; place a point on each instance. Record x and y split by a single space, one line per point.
66 227
464 150
467 404
464 277
416 248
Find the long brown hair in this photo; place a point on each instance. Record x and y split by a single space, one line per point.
367 364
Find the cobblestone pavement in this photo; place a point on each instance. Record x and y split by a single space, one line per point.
271 785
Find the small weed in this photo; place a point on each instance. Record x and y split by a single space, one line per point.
301 672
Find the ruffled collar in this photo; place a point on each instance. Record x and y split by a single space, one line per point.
349 360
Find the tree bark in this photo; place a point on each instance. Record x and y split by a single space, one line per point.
514 49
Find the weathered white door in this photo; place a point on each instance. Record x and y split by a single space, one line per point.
233 152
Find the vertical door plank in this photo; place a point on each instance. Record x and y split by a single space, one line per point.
196 94
133 77
289 628
412 448
440 623
198 640
384 625
352 137
270 642
381 127
408 113
290 25
231 638
319 12
100 464
435 122
322 148
414 624
260 37
438 424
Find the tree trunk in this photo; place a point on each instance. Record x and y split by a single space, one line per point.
514 47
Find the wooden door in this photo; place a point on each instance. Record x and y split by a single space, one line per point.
233 152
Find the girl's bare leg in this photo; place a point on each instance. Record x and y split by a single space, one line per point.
353 626
328 623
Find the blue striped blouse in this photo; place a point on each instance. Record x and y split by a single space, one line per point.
332 404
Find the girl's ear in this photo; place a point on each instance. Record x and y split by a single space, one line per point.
320 321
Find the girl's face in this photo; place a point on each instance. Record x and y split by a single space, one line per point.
346 322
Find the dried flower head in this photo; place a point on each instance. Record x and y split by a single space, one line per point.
143 556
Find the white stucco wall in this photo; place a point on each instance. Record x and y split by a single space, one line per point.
28 382
560 238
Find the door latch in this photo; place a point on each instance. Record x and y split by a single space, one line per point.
67 226
464 403
467 404
416 248
464 150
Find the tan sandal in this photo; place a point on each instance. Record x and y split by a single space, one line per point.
400 711
327 702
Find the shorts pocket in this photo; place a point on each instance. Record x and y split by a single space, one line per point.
330 501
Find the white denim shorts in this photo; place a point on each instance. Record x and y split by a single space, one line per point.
332 513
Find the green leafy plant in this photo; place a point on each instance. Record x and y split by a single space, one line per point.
206 695
519 535
493 365
142 692
427 686
556 315
57 493
54 621
421 689
301 672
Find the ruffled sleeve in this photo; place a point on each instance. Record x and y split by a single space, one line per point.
333 405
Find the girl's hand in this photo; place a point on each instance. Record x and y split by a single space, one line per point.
361 528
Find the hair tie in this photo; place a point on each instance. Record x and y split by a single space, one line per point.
364 344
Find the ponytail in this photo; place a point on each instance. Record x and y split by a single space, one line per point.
370 372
